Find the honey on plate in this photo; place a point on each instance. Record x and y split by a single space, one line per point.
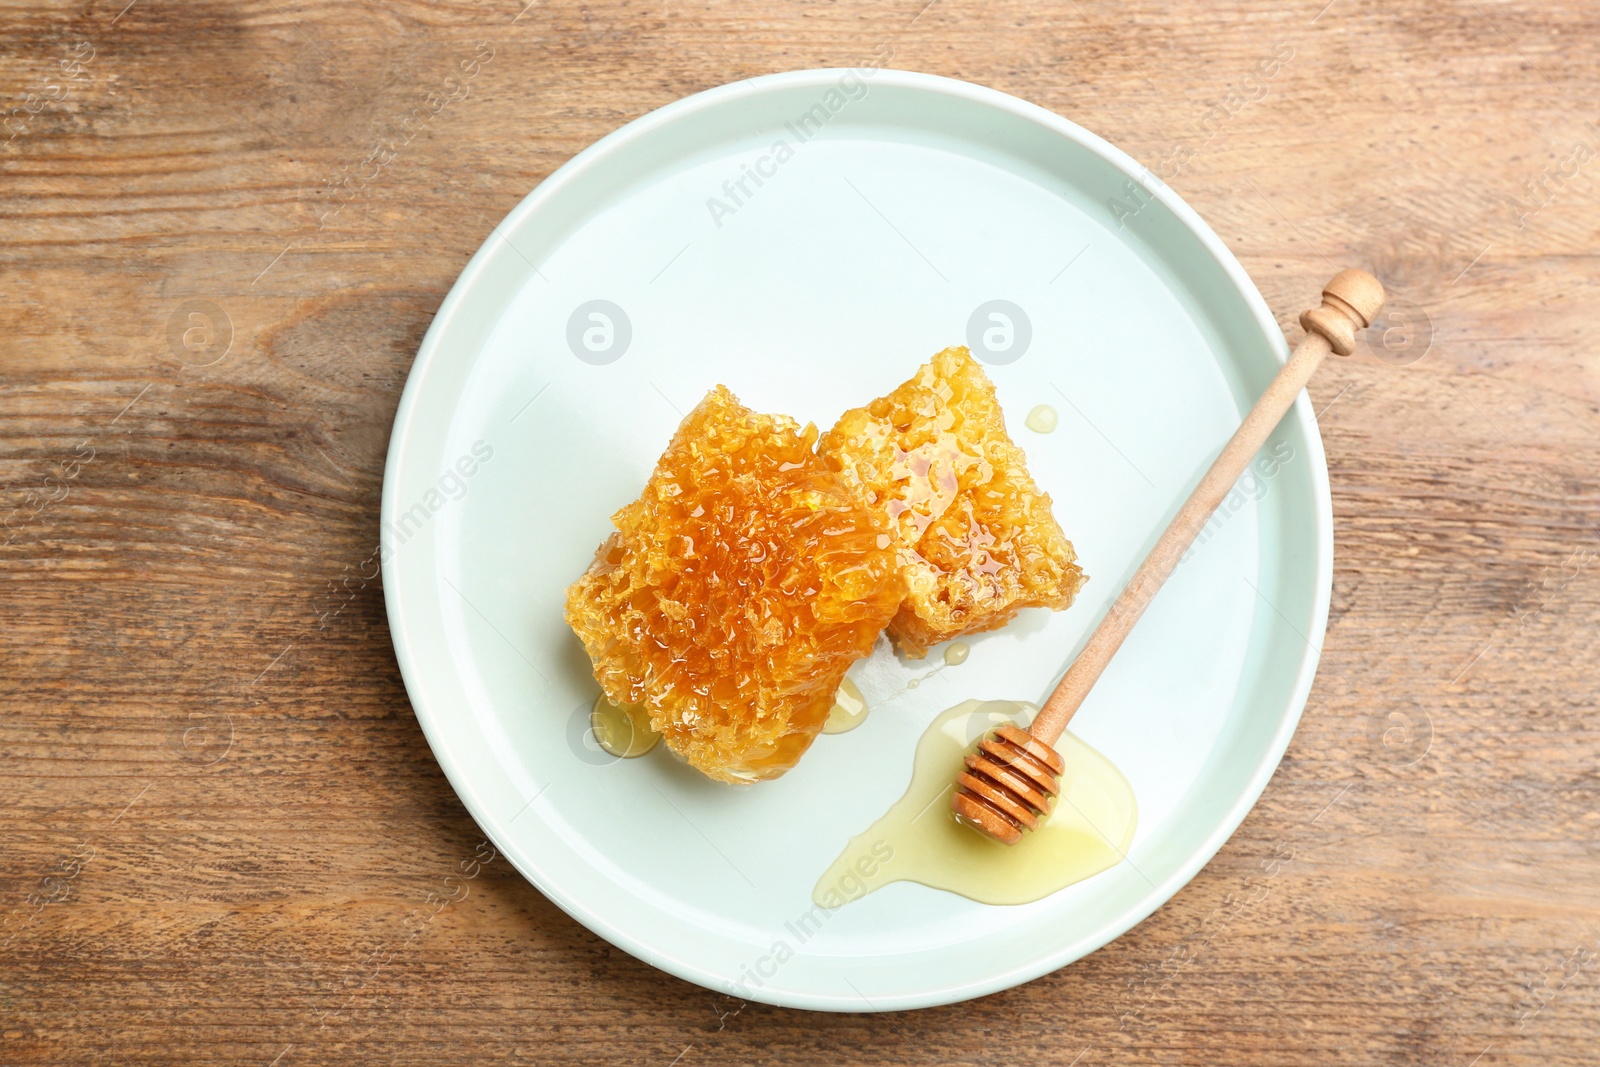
849 709
621 729
1088 830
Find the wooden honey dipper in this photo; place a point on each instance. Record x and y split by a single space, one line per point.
1008 783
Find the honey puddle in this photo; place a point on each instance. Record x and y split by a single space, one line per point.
622 729
918 839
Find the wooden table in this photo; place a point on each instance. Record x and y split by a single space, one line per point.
219 815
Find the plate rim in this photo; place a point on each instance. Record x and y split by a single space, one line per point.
939 993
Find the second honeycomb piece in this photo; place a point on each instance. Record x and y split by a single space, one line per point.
975 537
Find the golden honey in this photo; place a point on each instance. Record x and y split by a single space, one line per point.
736 592
975 537
849 709
1042 419
918 840
621 729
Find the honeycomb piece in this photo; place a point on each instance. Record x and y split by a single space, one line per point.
975 537
736 591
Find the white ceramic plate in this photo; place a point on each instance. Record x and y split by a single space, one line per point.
910 203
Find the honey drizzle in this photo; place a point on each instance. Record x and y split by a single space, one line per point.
918 840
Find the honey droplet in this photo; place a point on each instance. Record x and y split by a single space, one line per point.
956 654
918 839
622 729
849 709
1041 419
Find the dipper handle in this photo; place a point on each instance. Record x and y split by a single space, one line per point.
1351 300
1008 782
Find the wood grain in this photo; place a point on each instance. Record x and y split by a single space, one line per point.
220 820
